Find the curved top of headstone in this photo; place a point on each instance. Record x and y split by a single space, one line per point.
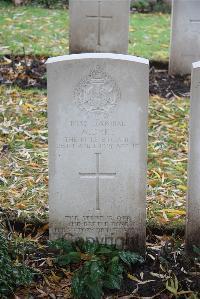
98 56
196 64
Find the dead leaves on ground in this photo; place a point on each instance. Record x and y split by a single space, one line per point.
24 154
25 72
167 163
24 178
38 30
23 143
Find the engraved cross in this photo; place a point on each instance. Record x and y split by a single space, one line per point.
99 17
97 175
194 21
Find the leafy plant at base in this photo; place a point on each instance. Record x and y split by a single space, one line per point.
196 251
68 253
12 274
103 268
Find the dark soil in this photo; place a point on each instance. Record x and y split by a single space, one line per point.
30 72
161 84
25 72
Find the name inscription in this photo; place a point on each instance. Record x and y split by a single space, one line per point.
98 135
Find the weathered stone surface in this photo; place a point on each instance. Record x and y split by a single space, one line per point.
193 198
97 118
99 26
185 36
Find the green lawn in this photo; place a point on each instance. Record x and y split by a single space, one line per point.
149 36
45 32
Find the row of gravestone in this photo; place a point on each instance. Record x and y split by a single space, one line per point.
102 26
97 120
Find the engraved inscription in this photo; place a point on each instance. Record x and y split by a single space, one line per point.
197 85
95 143
195 25
98 135
98 93
97 175
99 19
100 224
116 230
195 21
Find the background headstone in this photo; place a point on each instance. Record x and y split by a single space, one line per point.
97 118
193 200
185 36
18 2
99 26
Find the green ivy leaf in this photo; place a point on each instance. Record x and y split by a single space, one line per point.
70 258
196 250
63 245
96 270
77 284
130 258
90 247
113 281
104 250
94 290
115 267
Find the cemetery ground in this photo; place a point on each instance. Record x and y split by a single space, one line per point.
24 210
21 31
167 272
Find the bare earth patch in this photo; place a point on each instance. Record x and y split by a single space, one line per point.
30 71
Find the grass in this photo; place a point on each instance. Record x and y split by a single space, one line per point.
24 163
167 159
23 145
43 31
149 36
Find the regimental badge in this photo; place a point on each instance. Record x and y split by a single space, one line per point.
97 93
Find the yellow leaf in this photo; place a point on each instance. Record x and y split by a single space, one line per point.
173 211
182 187
43 229
153 183
134 278
20 206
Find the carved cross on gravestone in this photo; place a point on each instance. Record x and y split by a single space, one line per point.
98 26
97 175
99 18
194 21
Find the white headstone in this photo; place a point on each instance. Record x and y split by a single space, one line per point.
99 26
97 117
193 200
185 36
